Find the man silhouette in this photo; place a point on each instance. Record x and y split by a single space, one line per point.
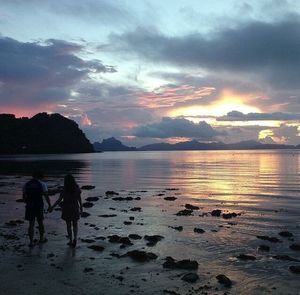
33 192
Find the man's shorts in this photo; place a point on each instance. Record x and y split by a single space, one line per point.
33 212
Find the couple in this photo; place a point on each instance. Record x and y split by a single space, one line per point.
33 192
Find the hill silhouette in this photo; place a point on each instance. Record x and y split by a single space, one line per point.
112 144
41 134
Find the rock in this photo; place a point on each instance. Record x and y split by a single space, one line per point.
120 240
85 214
141 256
134 236
92 199
88 187
107 215
127 222
246 257
179 228
185 212
137 198
285 258
100 238
182 264
295 247
50 255
270 239
152 240
88 269
87 205
88 241
199 230
190 277
229 215
131 218
139 209
286 234
216 212
122 198
14 222
295 269
111 193
20 201
160 195
224 280
170 198
264 248
96 248
191 207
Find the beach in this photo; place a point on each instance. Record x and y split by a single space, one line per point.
191 216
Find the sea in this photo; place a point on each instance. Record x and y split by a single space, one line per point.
261 186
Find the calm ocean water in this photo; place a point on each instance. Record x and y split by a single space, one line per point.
261 185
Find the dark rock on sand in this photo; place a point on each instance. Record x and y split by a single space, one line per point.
111 193
216 212
139 209
190 277
295 269
92 199
269 239
229 215
134 236
184 212
88 241
170 198
141 256
96 248
152 240
20 201
181 264
224 280
246 257
88 187
191 207
14 222
85 214
264 248
286 234
295 247
88 269
179 228
285 258
122 198
127 222
87 205
107 215
199 230
131 218
120 240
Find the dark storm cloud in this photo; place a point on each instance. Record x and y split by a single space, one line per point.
35 73
169 127
277 116
270 51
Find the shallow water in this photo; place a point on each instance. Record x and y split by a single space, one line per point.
261 185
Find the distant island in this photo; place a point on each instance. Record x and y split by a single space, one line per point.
112 144
41 134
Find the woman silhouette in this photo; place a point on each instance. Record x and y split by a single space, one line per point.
71 207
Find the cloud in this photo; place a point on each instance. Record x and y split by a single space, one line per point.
34 73
264 51
277 116
169 127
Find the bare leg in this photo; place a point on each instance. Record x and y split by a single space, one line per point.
41 229
31 232
75 229
69 230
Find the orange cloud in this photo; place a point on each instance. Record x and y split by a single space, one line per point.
167 96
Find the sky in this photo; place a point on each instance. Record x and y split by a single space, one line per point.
156 71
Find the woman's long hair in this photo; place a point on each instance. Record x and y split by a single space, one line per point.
70 184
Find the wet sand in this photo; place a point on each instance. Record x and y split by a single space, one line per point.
225 244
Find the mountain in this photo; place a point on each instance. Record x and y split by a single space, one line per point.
195 145
112 144
41 134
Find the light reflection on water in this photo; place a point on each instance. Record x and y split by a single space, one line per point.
263 185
